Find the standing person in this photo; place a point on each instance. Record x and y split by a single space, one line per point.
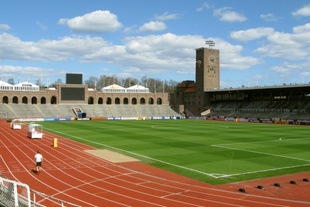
39 159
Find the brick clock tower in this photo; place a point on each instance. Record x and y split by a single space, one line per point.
207 75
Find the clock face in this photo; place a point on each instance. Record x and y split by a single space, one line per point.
212 59
211 69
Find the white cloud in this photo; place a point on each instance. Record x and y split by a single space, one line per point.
94 22
304 11
153 26
284 68
42 26
157 53
226 14
70 47
27 70
166 16
289 46
287 70
304 29
4 27
305 73
231 57
47 50
251 34
269 17
151 54
130 29
24 72
203 7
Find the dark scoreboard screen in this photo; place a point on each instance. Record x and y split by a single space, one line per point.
74 78
72 94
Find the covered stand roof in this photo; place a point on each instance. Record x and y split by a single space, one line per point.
119 89
5 86
26 86
2 83
113 89
137 89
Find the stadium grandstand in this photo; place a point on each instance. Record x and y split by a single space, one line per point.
75 100
269 104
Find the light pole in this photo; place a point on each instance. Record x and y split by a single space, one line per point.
210 43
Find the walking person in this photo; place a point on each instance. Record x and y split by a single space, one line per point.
39 159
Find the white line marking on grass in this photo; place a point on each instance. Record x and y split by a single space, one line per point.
219 175
139 155
259 171
288 139
263 153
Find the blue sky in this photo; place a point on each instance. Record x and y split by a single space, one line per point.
260 42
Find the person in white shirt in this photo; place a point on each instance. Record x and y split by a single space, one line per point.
39 159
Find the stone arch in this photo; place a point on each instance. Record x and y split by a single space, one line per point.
43 100
90 100
133 101
5 100
25 100
15 100
117 100
34 100
109 100
142 101
100 100
159 101
151 101
53 100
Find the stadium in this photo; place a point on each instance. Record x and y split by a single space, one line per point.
158 156
200 98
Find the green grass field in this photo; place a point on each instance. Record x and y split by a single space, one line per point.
209 151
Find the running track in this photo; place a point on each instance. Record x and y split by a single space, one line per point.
73 175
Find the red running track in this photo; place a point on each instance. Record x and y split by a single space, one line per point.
73 175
